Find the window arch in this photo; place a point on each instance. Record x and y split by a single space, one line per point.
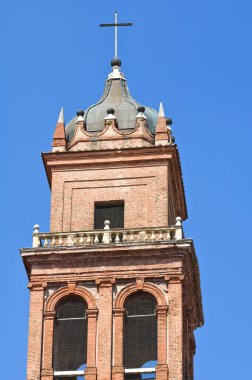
70 337
140 333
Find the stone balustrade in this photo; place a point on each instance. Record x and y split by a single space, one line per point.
108 236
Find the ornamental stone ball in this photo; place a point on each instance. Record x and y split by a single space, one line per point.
110 111
116 62
168 121
140 109
80 113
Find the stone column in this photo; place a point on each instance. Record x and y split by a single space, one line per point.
118 367
175 318
104 354
35 330
162 367
90 371
47 368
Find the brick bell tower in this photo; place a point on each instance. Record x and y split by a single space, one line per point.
114 286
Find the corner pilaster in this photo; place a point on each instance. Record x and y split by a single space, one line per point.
35 330
175 322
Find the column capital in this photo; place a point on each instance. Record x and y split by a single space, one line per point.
161 309
118 312
47 372
105 282
118 369
174 278
90 370
92 313
37 285
49 315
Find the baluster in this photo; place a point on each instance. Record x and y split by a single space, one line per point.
88 241
96 239
53 241
142 236
46 242
132 236
74 240
168 235
153 237
124 238
117 239
160 237
60 240
81 240
69 240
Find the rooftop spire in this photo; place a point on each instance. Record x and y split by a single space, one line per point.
59 137
161 110
61 116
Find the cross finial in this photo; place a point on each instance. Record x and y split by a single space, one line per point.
116 24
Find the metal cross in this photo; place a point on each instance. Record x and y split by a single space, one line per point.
116 24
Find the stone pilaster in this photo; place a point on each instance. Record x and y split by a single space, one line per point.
35 330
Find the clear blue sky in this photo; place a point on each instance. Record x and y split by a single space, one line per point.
193 55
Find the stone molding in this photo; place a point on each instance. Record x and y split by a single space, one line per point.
92 313
132 288
64 291
162 309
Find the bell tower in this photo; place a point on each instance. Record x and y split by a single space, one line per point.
114 285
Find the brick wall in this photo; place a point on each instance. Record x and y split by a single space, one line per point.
143 190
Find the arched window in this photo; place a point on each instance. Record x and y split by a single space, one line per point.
140 336
70 339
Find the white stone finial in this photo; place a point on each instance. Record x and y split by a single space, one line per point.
161 110
36 229
178 221
106 225
61 116
35 237
110 114
79 119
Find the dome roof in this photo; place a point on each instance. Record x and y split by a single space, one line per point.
116 96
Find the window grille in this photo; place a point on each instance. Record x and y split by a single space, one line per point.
112 212
140 336
70 338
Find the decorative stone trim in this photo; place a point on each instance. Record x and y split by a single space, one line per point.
71 287
132 288
118 312
92 313
139 283
49 314
161 309
64 291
